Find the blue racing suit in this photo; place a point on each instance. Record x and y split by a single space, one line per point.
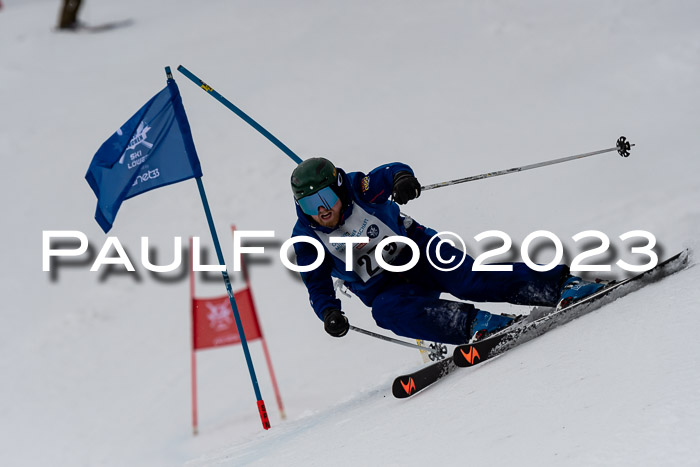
407 303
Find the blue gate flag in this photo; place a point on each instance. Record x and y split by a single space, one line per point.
153 148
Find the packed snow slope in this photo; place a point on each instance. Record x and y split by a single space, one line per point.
94 366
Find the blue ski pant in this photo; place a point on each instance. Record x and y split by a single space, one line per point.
409 303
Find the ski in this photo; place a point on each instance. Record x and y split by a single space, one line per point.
471 354
411 383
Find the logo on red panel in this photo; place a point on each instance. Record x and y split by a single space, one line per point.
220 317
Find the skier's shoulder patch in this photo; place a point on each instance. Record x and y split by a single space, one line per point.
365 183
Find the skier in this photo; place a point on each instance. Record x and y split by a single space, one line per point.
332 203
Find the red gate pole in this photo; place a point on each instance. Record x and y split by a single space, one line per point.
244 269
195 428
272 377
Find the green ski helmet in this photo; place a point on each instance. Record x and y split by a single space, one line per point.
313 175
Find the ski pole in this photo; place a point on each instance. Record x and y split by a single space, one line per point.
434 352
246 118
622 147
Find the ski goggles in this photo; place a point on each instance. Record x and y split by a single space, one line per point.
325 197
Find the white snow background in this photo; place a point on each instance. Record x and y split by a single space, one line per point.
96 372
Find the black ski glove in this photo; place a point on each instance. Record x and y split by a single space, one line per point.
335 323
406 187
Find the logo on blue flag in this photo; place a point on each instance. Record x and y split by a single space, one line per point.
153 148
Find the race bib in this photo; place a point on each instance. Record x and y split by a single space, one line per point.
363 224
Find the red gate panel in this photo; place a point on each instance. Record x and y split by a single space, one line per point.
213 321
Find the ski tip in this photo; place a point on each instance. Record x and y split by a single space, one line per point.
403 387
410 384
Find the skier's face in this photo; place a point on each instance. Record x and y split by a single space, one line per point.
328 217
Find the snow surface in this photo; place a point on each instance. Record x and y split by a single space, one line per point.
95 367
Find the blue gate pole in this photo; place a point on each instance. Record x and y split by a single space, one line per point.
234 309
239 324
239 112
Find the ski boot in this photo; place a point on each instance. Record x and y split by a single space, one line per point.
575 288
486 324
